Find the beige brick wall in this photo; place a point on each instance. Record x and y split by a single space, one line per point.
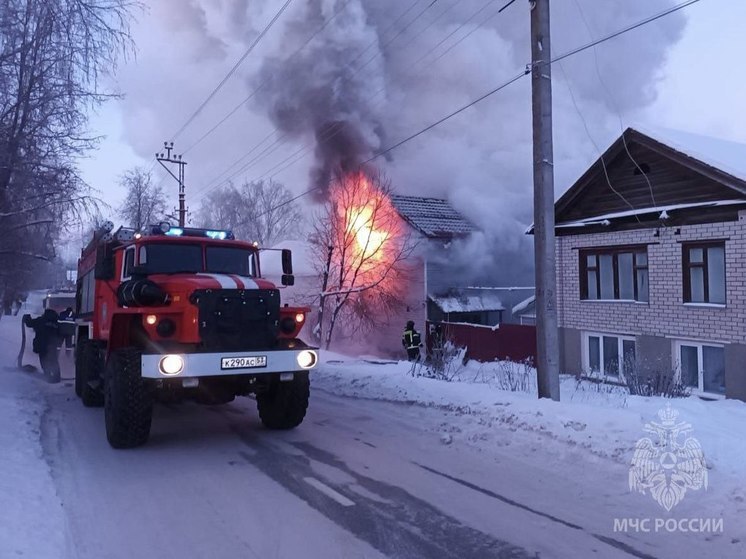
665 314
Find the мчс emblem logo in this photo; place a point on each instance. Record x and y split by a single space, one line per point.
668 467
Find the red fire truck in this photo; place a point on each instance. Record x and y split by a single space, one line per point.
176 313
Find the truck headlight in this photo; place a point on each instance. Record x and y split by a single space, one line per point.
306 359
171 364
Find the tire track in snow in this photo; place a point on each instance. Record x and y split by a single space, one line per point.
605 539
396 523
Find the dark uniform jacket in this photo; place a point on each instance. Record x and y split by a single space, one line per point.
46 331
411 339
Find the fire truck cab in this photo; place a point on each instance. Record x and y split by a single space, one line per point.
175 313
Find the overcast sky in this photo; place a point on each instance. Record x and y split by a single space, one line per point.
677 73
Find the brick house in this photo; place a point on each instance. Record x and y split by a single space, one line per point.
651 256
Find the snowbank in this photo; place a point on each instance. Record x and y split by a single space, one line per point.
602 421
32 523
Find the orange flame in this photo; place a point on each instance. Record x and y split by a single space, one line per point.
367 215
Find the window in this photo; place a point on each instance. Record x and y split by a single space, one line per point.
86 288
614 273
704 273
230 260
129 263
701 366
607 354
171 258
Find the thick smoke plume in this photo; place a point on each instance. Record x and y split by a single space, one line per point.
320 93
383 69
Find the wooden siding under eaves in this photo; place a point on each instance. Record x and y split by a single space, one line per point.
673 177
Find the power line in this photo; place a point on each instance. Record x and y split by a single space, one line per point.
509 82
232 70
616 109
257 89
265 153
449 116
335 130
338 127
528 71
625 30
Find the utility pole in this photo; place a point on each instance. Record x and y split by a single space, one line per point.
547 334
168 157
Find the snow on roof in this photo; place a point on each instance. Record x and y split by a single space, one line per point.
727 156
604 218
524 305
302 259
433 217
482 302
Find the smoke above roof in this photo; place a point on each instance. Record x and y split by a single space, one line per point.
383 69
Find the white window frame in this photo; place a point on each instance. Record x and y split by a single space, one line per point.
700 361
585 351
124 262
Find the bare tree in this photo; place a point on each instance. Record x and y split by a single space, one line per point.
145 203
362 250
258 211
52 53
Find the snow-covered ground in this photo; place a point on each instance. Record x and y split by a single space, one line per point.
385 465
602 420
32 522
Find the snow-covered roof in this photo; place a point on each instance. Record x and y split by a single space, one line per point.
433 217
480 302
524 305
302 259
604 219
727 156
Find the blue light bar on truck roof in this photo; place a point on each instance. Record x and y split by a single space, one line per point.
166 229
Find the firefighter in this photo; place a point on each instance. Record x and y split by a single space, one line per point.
46 342
412 342
67 327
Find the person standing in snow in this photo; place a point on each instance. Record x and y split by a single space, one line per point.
412 342
46 342
66 330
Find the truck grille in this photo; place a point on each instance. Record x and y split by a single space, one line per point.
238 319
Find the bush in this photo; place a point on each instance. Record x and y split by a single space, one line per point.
655 382
516 376
445 361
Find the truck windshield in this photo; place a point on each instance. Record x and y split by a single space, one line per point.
171 258
230 260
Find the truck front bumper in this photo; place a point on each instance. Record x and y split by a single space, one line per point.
182 365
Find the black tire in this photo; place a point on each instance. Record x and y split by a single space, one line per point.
128 400
89 368
283 405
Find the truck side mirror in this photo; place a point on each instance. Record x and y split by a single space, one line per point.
104 269
288 280
287 261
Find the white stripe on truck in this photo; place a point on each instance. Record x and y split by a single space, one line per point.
225 281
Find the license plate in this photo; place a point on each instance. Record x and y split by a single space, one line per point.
243 362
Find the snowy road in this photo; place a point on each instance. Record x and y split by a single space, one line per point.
359 478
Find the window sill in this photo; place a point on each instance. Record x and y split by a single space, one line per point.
702 395
706 305
615 301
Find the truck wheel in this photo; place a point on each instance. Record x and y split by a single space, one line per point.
283 405
88 366
128 400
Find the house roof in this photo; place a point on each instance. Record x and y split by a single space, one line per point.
648 171
480 302
527 306
724 155
433 217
